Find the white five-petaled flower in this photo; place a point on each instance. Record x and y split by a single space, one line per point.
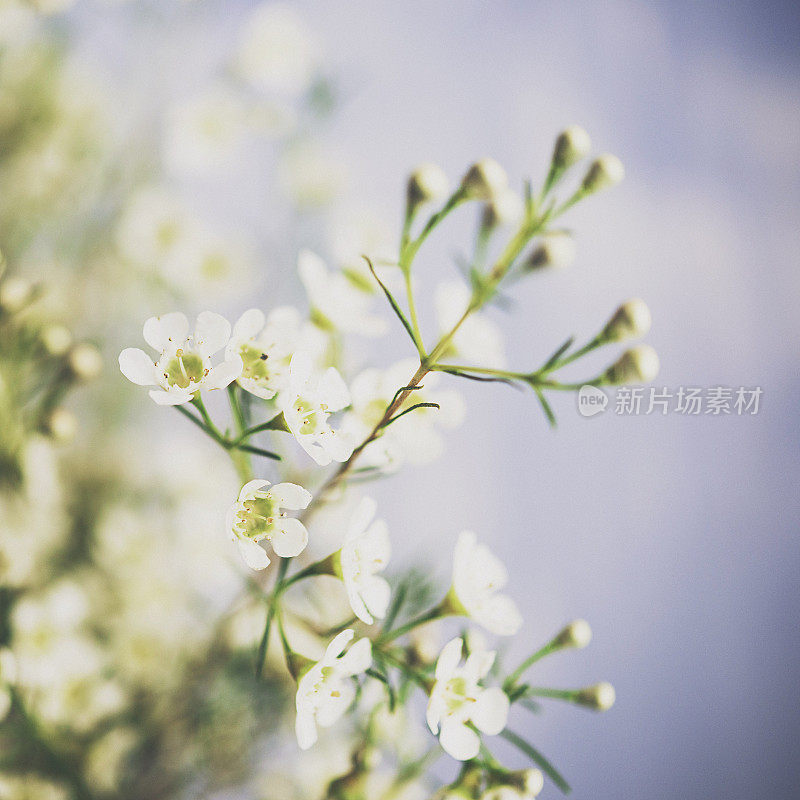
365 552
307 402
326 690
477 575
184 364
266 345
457 698
259 514
335 300
477 340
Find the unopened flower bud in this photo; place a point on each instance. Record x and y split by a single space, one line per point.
505 208
532 782
630 321
637 365
427 183
85 361
61 425
577 634
600 697
503 792
553 251
56 339
484 180
605 171
14 294
572 145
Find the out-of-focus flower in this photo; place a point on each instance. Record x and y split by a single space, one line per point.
478 340
637 365
427 183
326 690
307 402
552 251
505 208
366 552
266 346
311 175
572 144
457 698
605 171
477 576
414 437
484 180
259 514
85 361
277 51
184 363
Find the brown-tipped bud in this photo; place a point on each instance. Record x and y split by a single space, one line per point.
56 340
631 320
505 208
85 361
605 171
484 180
577 634
599 697
61 425
572 144
14 294
427 183
637 365
556 252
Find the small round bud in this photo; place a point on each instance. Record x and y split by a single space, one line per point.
14 294
572 145
637 365
630 321
85 361
577 634
600 697
427 183
56 339
505 208
606 171
556 252
484 180
61 425
532 781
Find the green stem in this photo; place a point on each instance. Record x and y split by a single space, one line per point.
512 679
271 609
434 613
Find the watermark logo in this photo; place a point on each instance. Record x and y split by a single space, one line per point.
591 401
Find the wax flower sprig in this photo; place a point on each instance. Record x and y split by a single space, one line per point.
280 380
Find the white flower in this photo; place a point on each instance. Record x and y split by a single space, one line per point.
307 402
326 691
335 301
414 437
477 575
457 698
277 52
365 552
184 362
478 340
266 346
259 514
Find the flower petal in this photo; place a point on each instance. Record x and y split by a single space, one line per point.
333 391
337 646
305 728
334 707
459 741
313 272
500 615
376 595
448 659
290 495
255 557
362 516
223 374
490 712
251 487
300 369
167 330
174 397
290 537
357 659
138 367
249 325
338 445
211 332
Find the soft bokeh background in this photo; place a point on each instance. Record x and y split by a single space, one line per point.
674 536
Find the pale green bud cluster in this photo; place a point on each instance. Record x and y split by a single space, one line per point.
638 365
631 320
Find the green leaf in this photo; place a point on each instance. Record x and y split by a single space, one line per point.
538 759
558 353
409 410
395 307
397 604
548 411
384 679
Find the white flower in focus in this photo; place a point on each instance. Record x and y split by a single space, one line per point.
259 514
457 698
335 301
326 690
266 346
277 52
365 552
412 438
307 402
184 362
478 340
477 575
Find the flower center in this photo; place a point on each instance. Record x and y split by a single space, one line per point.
256 515
184 368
